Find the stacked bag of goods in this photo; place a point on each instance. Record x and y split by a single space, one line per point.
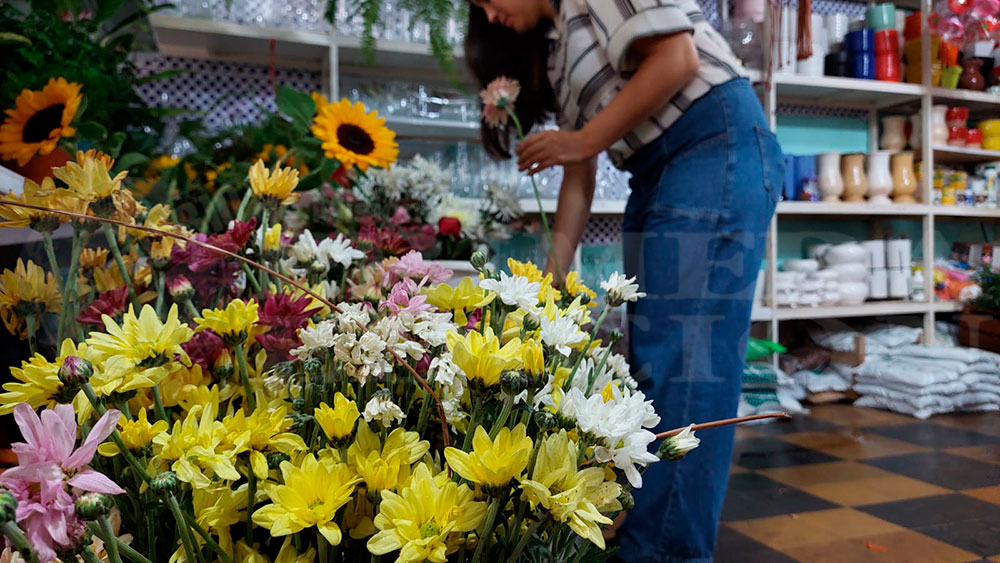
901 375
765 388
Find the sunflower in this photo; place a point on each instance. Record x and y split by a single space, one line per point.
354 137
38 120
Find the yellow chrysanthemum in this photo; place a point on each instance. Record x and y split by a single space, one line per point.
425 520
39 119
275 186
216 509
32 194
26 290
90 180
354 137
464 297
136 434
576 497
234 323
91 258
528 270
481 357
337 423
385 466
532 358
311 495
199 449
37 380
574 286
493 463
266 432
272 238
105 159
138 353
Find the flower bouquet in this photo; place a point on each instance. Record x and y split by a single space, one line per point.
247 396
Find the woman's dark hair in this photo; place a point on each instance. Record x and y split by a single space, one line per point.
492 50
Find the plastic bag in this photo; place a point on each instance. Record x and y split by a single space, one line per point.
760 349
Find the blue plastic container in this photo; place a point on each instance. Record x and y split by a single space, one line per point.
789 190
863 65
860 41
805 170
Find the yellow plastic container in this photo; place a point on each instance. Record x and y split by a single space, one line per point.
912 56
990 128
991 143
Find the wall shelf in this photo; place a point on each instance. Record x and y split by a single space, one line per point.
415 127
957 211
868 309
960 155
793 208
847 92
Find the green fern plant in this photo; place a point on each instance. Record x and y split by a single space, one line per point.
989 283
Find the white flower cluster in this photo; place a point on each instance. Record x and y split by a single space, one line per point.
310 256
621 289
464 209
514 291
420 180
382 409
560 333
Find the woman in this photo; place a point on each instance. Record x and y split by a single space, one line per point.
654 85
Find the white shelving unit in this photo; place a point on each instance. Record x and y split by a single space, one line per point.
337 55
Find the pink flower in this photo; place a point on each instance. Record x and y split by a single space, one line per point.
48 470
421 238
400 217
111 303
402 298
413 265
498 98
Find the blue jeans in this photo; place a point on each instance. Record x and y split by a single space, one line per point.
694 233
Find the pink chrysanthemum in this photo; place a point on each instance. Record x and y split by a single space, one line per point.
498 98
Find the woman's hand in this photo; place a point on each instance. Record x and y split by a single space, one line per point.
553 148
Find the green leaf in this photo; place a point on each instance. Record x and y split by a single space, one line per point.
92 130
107 8
7 37
297 105
114 144
129 160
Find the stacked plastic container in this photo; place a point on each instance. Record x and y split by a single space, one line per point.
881 20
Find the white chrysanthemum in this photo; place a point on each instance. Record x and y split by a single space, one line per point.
362 357
625 413
628 453
453 411
382 409
433 328
305 249
515 291
444 372
465 210
543 397
620 289
561 333
504 206
339 251
352 316
315 337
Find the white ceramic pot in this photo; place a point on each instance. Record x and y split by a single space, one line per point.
898 253
810 299
831 183
939 124
806 265
812 286
915 129
836 28
813 66
876 253
845 253
851 271
787 299
879 177
893 133
831 297
460 269
825 276
878 283
899 283
853 293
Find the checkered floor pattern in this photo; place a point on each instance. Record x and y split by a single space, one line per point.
849 484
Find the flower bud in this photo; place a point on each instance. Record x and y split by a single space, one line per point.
513 382
616 336
478 260
223 366
104 207
317 267
8 506
298 404
312 367
531 322
677 446
584 298
165 483
180 288
91 506
274 459
626 499
545 420
75 372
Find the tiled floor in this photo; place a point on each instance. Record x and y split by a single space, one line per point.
847 484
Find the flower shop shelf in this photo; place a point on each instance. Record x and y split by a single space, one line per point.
870 309
961 211
968 98
792 208
957 155
597 207
849 92
415 127
10 237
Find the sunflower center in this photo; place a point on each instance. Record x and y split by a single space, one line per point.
39 126
355 139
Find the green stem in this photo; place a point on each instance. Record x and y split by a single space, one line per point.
265 218
243 205
212 205
69 288
241 359
32 341
477 405
51 252
116 437
487 528
508 404
89 556
251 496
17 539
211 543
110 541
161 413
538 200
190 547
525 538
579 359
425 412
113 243
598 369
252 278
191 309
160 292
125 549
322 545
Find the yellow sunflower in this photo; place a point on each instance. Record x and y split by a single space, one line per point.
354 137
39 119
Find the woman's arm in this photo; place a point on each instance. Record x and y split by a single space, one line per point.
575 197
667 64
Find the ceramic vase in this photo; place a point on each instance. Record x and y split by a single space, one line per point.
939 125
852 168
915 131
831 182
879 177
904 181
893 133
971 78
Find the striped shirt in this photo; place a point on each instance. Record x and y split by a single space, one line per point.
590 60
